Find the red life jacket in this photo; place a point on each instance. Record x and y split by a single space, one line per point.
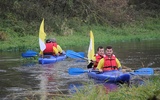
110 63
98 58
49 48
55 44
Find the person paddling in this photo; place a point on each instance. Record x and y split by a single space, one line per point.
50 49
109 62
97 57
56 45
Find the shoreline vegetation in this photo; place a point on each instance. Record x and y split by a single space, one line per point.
70 22
148 91
139 31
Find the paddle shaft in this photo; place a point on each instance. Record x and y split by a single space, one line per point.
78 71
142 71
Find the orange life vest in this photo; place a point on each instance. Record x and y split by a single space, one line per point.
49 48
55 44
110 63
98 58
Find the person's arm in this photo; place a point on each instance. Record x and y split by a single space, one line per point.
59 49
40 53
100 65
55 50
118 64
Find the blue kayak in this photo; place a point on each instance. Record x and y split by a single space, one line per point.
48 59
110 76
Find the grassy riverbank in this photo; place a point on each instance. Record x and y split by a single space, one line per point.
149 91
103 34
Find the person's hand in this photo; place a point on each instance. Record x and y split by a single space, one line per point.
100 70
57 54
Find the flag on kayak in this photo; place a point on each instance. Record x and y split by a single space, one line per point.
91 47
42 36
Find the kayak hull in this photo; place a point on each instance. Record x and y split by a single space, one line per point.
114 76
48 59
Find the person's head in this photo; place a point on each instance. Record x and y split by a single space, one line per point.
53 40
48 41
100 50
109 50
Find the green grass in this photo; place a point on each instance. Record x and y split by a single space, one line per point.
148 91
138 31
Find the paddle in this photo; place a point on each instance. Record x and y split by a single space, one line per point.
81 53
29 53
141 71
75 55
78 71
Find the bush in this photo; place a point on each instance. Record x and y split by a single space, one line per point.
66 16
3 36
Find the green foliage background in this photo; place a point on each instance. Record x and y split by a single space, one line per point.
24 16
20 19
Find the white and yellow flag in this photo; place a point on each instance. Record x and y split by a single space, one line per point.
42 36
91 47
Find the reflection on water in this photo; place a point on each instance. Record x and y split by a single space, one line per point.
39 80
24 79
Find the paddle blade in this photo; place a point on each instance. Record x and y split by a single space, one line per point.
73 54
81 53
76 71
29 53
144 71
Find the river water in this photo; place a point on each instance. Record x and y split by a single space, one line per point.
25 79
